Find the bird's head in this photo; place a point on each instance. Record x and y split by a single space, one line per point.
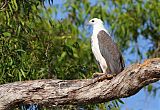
97 25
95 21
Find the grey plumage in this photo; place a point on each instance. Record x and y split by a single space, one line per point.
110 52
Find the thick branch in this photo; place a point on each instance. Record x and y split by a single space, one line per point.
50 92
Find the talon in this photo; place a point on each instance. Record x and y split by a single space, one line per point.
109 76
95 75
102 76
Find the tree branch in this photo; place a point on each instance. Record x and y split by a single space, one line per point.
48 92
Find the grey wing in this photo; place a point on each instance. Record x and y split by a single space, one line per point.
110 52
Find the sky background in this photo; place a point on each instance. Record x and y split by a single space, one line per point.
140 101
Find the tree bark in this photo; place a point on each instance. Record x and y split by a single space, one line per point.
49 92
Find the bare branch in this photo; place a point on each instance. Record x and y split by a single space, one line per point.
48 92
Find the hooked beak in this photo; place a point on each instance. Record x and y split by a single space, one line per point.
87 24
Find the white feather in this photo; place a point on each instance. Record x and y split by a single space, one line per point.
95 47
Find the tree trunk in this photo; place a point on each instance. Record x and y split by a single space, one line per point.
48 92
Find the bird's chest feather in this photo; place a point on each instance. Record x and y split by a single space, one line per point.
96 50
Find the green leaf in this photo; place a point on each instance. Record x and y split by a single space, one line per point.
41 70
10 75
150 88
20 76
14 5
119 100
23 73
19 29
114 108
20 50
7 34
62 56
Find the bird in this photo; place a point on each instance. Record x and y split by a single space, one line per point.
105 50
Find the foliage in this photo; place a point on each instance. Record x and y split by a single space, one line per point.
34 45
128 20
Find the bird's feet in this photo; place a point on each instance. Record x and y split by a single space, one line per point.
95 75
102 76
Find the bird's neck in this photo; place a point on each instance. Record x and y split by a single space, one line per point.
97 28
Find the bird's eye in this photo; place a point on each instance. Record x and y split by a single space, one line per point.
92 21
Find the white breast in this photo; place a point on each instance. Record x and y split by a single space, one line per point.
96 52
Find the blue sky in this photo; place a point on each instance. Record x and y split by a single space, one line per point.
142 100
